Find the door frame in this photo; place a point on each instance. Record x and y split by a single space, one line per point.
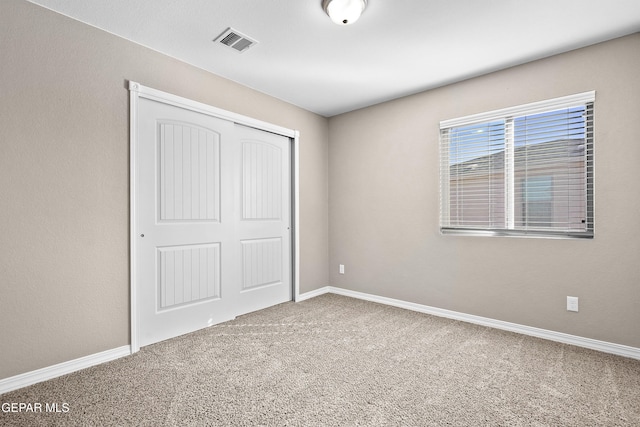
137 91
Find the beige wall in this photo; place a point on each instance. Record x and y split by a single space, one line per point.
383 204
64 180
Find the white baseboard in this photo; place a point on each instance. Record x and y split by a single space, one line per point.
314 293
50 372
604 346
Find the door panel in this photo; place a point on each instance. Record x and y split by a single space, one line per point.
262 180
188 274
189 165
261 263
264 227
185 210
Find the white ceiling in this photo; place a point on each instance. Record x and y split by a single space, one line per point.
398 47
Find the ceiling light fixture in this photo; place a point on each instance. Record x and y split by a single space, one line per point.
344 12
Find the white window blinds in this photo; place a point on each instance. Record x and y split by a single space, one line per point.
525 170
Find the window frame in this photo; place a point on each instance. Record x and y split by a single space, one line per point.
584 99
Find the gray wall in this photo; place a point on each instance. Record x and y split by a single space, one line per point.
64 174
383 204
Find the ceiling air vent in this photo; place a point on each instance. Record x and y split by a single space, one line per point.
235 40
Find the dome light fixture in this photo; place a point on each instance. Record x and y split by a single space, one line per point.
344 12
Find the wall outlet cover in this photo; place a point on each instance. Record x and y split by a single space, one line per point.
572 303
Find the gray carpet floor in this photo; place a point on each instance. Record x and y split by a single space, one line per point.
337 361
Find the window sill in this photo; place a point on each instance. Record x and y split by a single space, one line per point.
536 234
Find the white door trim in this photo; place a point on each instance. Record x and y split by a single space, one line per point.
137 91
189 104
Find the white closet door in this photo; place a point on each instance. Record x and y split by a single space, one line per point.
212 220
187 264
264 217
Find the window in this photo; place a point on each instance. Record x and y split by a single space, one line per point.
525 170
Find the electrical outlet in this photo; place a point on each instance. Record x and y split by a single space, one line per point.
341 269
572 303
